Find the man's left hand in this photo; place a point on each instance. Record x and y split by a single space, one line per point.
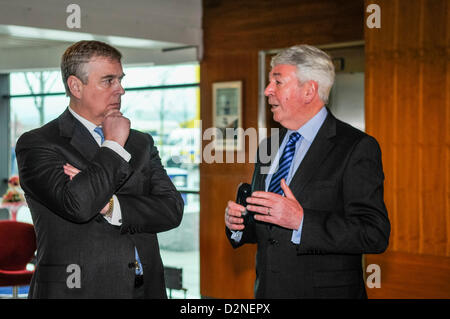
277 209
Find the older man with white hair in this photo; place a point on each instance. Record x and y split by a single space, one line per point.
321 206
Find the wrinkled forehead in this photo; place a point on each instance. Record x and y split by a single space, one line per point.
104 61
104 65
283 70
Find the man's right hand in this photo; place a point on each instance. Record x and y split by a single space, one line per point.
233 216
116 127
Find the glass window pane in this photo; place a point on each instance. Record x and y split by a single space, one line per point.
180 247
30 113
36 82
170 116
160 75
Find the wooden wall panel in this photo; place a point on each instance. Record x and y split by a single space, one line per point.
234 269
224 272
410 276
252 25
446 174
407 110
234 32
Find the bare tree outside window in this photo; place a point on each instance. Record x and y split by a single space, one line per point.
40 83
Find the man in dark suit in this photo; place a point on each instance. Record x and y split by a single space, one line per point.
97 191
318 205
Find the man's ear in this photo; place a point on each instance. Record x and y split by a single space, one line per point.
75 86
311 90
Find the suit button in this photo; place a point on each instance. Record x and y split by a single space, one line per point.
131 265
273 241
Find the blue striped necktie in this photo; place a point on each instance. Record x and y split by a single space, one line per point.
99 131
284 164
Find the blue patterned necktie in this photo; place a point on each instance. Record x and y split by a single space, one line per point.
284 164
139 271
99 131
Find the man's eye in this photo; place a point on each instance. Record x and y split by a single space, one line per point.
277 82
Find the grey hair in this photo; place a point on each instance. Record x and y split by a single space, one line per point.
78 55
312 64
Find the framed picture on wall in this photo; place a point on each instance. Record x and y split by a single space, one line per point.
227 115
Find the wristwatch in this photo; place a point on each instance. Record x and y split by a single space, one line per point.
111 208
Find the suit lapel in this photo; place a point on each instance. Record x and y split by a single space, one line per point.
83 142
317 152
80 138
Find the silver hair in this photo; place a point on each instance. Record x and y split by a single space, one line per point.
312 64
78 55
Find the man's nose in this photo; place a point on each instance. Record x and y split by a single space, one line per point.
120 88
268 90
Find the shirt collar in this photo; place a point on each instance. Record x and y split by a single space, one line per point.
309 130
89 125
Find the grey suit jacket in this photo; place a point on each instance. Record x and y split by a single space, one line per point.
69 228
340 187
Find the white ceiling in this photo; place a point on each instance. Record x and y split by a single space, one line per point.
9 42
34 34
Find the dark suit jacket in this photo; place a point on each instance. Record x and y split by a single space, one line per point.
340 187
66 216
